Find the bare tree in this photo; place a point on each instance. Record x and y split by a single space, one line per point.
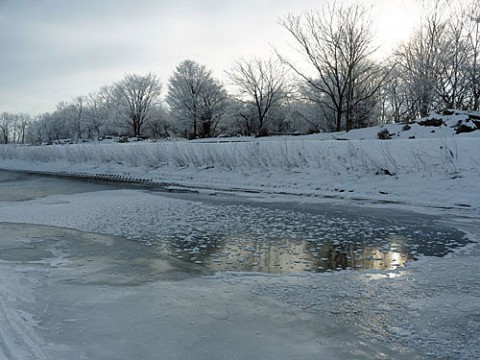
136 95
337 43
261 86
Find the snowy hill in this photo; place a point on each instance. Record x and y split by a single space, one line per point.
436 125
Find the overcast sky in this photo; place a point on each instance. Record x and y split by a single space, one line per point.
54 50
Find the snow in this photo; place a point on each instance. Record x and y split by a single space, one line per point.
429 172
71 288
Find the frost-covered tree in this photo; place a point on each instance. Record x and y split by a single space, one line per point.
112 121
337 45
5 127
396 103
23 120
94 114
159 124
262 85
63 122
136 96
196 99
420 62
472 25
437 67
451 86
41 130
75 116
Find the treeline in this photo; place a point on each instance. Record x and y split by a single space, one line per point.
335 82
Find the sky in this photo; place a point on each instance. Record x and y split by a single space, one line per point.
55 50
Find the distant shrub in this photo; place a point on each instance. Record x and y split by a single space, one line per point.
432 122
384 135
262 132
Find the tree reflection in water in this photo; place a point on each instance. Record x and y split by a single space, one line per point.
282 255
270 238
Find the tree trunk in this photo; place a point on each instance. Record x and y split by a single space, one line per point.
338 121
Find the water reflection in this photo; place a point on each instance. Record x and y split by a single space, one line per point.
276 238
284 255
231 234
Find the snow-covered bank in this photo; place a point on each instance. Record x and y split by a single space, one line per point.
434 172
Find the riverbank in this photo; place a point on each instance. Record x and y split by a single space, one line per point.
430 173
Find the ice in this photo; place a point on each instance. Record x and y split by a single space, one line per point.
93 296
110 308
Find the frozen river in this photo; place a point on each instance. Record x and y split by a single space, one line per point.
95 271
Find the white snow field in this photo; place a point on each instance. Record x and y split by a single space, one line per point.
74 285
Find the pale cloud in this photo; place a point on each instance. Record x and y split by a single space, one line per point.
54 50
